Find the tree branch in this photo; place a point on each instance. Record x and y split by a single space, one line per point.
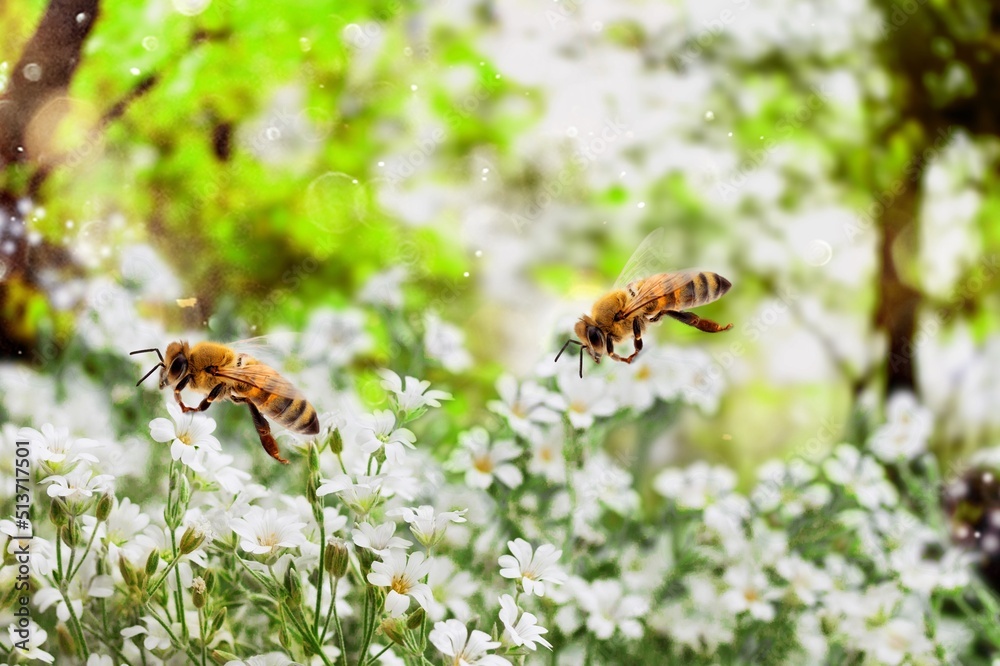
44 70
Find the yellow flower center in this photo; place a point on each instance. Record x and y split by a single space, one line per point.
643 372
578 407
484 465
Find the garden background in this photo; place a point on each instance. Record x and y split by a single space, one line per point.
440 190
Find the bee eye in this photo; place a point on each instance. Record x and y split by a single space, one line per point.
595 337
178 366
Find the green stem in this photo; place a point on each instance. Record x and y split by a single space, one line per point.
370 625
159 581
204 639
173 639
379 654
86 551
317 614
178 593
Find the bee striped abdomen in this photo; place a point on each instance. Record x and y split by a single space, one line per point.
701 289
295 413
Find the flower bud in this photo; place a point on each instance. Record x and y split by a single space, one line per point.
104 506
198 592
57 513
218 619
70 534
210 578
416 618
193 537
128 573
312 497
284 639
336 558
336 442
314 458
152 562
221 657
293 586
172 515
394 629
184 496
66 643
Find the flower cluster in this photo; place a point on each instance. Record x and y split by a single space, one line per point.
396 536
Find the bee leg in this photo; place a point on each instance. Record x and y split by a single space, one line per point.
177 392
613 354
264 430
636 338
702 324
209 399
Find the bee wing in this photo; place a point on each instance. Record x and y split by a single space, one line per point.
655 287
262 377
274 349
649 258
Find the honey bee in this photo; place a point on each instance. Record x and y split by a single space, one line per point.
223 373
634 302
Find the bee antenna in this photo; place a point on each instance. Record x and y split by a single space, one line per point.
581 361
143 351
566 344
158 365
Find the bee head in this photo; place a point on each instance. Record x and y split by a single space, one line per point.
175 364
591 336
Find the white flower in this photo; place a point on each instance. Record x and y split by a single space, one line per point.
609 609
157 637
99 660
384 288
904 436
451 589
361 497
749 591
43 553
402 575
264 531
56 450
532 569
697 486
413 394
33 642
80 485
85 585
426 526
651 375
219 468
585 399
446 344
270 659
341 334
893 641
526 406
861 476
699 622
547 455
379 430
524 631
481 461
804 578
453 640
379 539
124 523
189 436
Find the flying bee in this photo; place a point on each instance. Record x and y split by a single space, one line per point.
634 302
223 373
